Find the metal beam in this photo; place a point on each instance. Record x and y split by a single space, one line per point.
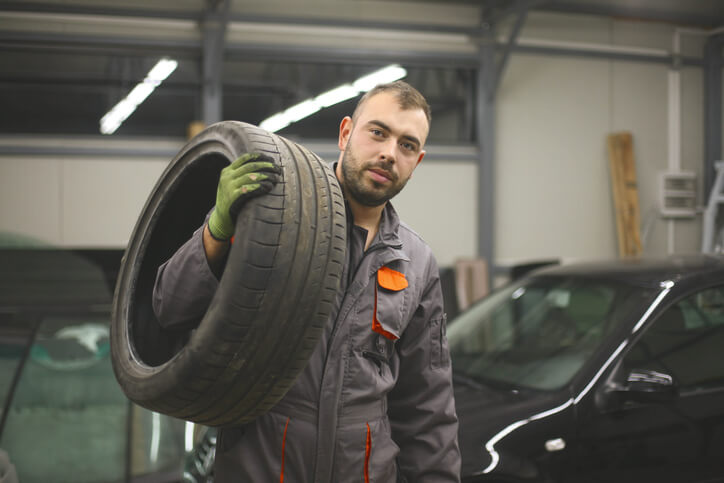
607 55
713 64
213 27
607 9
678 17
88 45
190 48
55 41
105 11
522 12
485 106
132 147
489 74
359 56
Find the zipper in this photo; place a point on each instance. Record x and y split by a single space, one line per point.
344 309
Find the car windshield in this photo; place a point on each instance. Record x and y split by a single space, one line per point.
538 333
66 418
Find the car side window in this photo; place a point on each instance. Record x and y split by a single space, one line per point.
65 404
686 342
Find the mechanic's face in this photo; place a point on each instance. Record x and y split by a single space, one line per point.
382 147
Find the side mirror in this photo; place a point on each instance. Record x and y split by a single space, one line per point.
642 386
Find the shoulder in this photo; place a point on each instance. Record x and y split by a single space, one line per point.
413 242
419 252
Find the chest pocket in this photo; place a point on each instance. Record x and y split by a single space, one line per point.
389 303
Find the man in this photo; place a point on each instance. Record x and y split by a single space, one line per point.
375 402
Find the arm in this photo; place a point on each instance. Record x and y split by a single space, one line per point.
216 251
422 406
186 283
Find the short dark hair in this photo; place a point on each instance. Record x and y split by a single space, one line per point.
407 96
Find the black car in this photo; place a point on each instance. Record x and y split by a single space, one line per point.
601 372
63 416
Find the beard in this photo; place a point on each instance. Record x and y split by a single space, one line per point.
357 187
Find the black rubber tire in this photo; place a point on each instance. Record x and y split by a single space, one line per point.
273 300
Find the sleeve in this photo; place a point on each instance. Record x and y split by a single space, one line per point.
421 407
184 286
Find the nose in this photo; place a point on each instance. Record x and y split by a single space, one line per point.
388 150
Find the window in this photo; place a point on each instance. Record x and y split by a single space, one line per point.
67 419
686 342
14 339
539 334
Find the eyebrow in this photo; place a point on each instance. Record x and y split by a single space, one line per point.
387 128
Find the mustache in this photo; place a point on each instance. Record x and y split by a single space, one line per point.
385 166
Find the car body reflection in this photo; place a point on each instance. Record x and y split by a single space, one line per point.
596 372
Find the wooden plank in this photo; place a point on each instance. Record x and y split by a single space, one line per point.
471 281
625 193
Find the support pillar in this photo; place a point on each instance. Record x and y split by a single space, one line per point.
485 98
489 74
213 27
712 108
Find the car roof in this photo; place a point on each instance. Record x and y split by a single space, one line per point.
643 271
57 277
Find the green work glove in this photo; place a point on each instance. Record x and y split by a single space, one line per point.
253 174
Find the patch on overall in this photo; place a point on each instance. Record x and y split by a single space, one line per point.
394 281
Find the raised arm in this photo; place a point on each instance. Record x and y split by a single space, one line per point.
186 282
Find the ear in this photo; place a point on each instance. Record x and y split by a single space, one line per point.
419 160
345 130
422 155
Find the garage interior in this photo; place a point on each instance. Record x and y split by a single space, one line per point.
524 95
563 130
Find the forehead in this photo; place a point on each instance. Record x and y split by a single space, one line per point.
384 107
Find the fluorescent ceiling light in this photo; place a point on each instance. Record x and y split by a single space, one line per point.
161 70
387 74
113 119
334 96
337 95
302 110
275 123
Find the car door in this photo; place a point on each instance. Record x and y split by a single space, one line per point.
660 416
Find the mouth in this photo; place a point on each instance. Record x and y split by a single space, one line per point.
381 175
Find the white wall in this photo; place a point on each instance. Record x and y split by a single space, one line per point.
439 202
552 186
553 189
75 202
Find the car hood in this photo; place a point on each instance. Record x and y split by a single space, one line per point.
500 430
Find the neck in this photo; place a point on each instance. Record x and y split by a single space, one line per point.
367 217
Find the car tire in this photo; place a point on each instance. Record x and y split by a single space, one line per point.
274 298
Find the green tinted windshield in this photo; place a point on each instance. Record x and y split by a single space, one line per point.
14 340
538 333
68 420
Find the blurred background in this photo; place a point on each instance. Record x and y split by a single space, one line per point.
524 95
562 130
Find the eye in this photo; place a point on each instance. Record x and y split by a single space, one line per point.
408 146
376 132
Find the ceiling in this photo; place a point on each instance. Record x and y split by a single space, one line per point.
67 62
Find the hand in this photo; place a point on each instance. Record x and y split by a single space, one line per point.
253 174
